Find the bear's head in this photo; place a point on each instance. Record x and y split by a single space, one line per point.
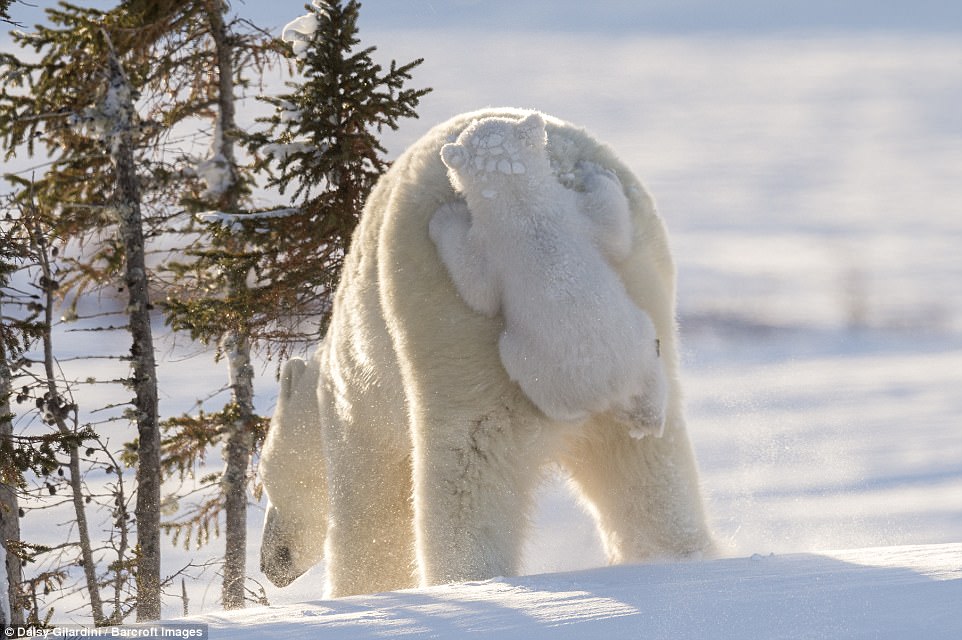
493 150
295 478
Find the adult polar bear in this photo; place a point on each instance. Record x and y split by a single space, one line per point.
417 459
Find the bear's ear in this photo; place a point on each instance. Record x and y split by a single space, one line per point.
290 374
454 155
532 130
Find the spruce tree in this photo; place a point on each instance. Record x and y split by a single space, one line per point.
322 146
209 293
182 59
252 278
269 271
144 370
57 450
10 610
17 332
235 340
5 11
78 100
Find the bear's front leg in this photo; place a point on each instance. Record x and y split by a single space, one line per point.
370 541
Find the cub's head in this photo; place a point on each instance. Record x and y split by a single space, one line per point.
492 150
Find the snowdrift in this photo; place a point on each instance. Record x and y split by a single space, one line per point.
888 592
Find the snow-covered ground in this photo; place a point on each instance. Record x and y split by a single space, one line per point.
812 187
884 593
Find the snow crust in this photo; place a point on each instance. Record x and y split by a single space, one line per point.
108 119
894 592
289 112
280 151
215 172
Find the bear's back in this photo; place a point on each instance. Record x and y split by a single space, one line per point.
396 304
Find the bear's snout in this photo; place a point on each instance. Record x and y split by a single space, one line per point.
277 566
277 562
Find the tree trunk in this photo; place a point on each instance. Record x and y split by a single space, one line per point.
11 613
236 345
76 482
143 365
237 456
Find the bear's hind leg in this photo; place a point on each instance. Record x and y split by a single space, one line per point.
643 493
473 484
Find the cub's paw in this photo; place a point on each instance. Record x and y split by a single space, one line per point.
595 177
645 413
450 220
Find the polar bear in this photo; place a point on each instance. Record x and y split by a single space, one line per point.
427 451
523 245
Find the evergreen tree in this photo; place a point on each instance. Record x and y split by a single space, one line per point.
321 144
10 609
235 341
16 334
58 410
183 59
218 263
269 270
79 101
26 329
120 109
5 11
108 89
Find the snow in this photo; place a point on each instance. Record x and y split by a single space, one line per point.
215 171
289 112
107 121
216 175
300 31
280 151
232 221
896 592
810 184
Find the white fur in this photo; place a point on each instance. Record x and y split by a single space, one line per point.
296 519
535 251
432 452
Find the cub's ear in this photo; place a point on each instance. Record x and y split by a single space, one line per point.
454 155
532 130
290 374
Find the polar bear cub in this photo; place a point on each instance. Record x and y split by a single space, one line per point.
523 245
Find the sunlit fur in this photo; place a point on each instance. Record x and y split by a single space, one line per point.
431 452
